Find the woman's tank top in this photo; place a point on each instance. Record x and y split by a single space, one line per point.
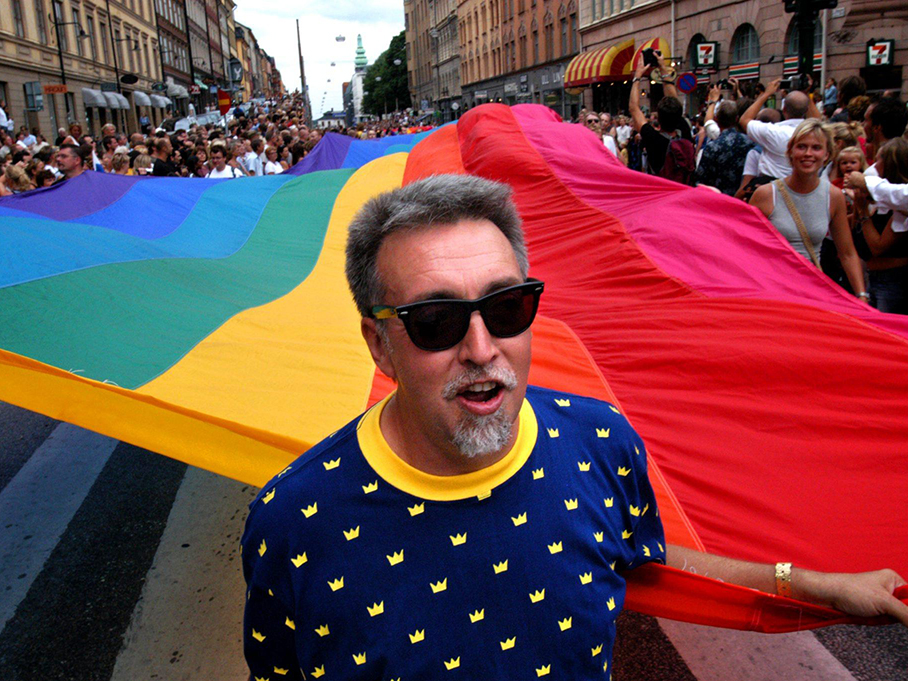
814 211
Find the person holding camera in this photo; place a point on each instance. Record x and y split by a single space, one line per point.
670 150
774 137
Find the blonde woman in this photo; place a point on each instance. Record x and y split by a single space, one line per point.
14 181
804 206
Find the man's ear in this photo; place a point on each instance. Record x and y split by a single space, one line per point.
377 348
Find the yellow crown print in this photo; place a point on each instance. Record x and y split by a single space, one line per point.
322 630
416 509
570 504
636 449
543 671
603 432
596 650
286 470
614 409
519 520
562 402
352 533
613 564
396 558
586 578
599 536
336 584
553 432
626 534
555 547
605 666
609 502
258 636
538 474
661 548
281 671
622 471
635 510
646 551
289 623
645 509
318 672
453 663
537 596
477 616
611 603
376 609
566 623
359 659
500 567
438 587
262 548
507 644
584 466
331 465
310 510
458 539
268 497
371 487
299 561
260 678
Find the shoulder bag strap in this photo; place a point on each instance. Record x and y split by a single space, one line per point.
802 230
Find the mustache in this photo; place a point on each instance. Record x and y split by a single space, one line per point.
501 375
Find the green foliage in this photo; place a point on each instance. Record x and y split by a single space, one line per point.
392 89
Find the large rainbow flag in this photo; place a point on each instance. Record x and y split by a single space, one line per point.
209 320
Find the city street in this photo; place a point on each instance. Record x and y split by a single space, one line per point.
118 563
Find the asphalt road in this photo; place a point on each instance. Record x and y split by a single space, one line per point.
119 564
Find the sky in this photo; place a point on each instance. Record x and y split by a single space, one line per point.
274 24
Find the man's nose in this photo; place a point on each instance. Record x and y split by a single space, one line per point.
477 346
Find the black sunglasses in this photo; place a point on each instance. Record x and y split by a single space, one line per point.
441 324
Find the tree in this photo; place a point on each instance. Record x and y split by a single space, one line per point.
386 82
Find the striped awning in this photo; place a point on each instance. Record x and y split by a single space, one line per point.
660 44
93 98
791 64
744 71
141 98
600 66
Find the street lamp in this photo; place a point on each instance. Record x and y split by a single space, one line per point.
81 36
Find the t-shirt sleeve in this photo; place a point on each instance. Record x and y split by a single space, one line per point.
648 535
752 162
269 628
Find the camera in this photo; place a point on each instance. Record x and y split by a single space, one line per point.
725 84
649 57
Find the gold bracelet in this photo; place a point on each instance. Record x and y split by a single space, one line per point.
783 579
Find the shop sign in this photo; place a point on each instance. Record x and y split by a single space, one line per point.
481 94
879 52
55 89
706 55
545 79
510 88
194 90
109 86
158 87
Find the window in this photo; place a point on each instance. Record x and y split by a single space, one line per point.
17 18
77 25
794 37
117 51
34 99
41 21
61 30
523 51
90 30
745 45
102 28
148 66
535 47
549 42
574 32
564 37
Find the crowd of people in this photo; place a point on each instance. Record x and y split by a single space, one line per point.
828 167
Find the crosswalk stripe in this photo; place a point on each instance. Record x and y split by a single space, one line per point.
40 501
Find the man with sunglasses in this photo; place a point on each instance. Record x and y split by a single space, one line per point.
468 522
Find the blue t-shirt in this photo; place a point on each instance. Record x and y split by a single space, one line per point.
360 566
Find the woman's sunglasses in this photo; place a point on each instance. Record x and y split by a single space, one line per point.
441 324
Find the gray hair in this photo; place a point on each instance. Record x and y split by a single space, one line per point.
437 200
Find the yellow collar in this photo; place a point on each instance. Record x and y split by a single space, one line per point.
397 472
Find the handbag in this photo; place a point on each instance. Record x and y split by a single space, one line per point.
802 230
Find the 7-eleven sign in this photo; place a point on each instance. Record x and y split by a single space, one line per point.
879 52
706 55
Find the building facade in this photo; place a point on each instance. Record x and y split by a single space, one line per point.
445 59
63 62
752 40
417 24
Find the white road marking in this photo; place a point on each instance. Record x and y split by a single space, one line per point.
187 623
38 504
722 654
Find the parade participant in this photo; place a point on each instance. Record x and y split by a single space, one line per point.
70 161
219 167
162 162
272 165
722 163
805 206
460 523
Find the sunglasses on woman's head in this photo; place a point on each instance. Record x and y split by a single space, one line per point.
440 324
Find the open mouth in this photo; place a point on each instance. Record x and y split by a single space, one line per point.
480 392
